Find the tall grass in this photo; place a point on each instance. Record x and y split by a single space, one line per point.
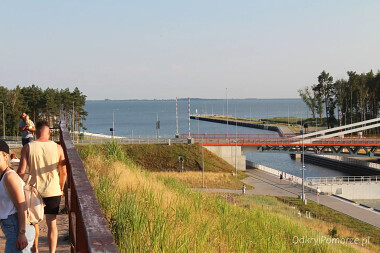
149 213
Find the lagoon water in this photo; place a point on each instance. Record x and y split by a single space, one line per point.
137 118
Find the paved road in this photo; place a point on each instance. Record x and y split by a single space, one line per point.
286 130
267 184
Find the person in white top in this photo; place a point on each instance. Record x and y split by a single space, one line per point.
18 234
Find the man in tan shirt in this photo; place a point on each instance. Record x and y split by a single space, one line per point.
47 166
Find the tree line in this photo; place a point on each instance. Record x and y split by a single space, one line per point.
50 104
344 101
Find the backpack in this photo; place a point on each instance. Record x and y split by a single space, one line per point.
34 203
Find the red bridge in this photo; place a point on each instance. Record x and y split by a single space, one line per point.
336 140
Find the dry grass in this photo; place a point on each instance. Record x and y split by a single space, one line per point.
152 212
139 182
326 219
219 180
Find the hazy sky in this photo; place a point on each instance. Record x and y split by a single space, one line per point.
167 49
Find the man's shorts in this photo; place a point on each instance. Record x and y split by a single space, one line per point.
52 204
26 140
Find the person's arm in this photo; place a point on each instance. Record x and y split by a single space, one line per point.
32 127
23 161
13 185
62 168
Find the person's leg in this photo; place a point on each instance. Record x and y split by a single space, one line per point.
51 222
35 244
51 210
30 234
10 230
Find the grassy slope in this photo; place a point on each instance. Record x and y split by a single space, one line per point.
163 160
147 212
166 158
337 219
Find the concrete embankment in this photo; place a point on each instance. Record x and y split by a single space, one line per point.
280 130
353 169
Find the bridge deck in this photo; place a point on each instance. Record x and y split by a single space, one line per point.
274 140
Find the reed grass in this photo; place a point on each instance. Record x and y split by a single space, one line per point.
150 213
347 226
221 180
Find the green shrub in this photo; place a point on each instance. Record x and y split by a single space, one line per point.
333 232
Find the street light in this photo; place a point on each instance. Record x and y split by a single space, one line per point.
235 142
113 123
303 169
3 122
227 111
203 165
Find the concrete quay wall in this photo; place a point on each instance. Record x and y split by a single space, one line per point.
353 191
231 154
241 123
347 167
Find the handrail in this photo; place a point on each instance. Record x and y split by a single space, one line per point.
350 126
343 180
258 140
88 228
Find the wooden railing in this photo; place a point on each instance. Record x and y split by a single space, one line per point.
88 228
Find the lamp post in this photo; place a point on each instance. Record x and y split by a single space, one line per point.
3 122
73 121
113 123
227 111
303 169
235 142
288 115
203 166
176 117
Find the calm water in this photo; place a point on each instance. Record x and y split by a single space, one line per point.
138 118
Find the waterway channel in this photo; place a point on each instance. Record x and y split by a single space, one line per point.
136 118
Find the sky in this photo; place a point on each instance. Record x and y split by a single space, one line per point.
200 49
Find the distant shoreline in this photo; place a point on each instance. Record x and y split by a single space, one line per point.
185 99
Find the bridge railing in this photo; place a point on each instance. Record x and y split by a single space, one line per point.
93 138
88 228
162 141
258 139
342 180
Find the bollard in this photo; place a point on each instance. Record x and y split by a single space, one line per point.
181 159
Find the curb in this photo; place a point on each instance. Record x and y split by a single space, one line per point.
339 197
